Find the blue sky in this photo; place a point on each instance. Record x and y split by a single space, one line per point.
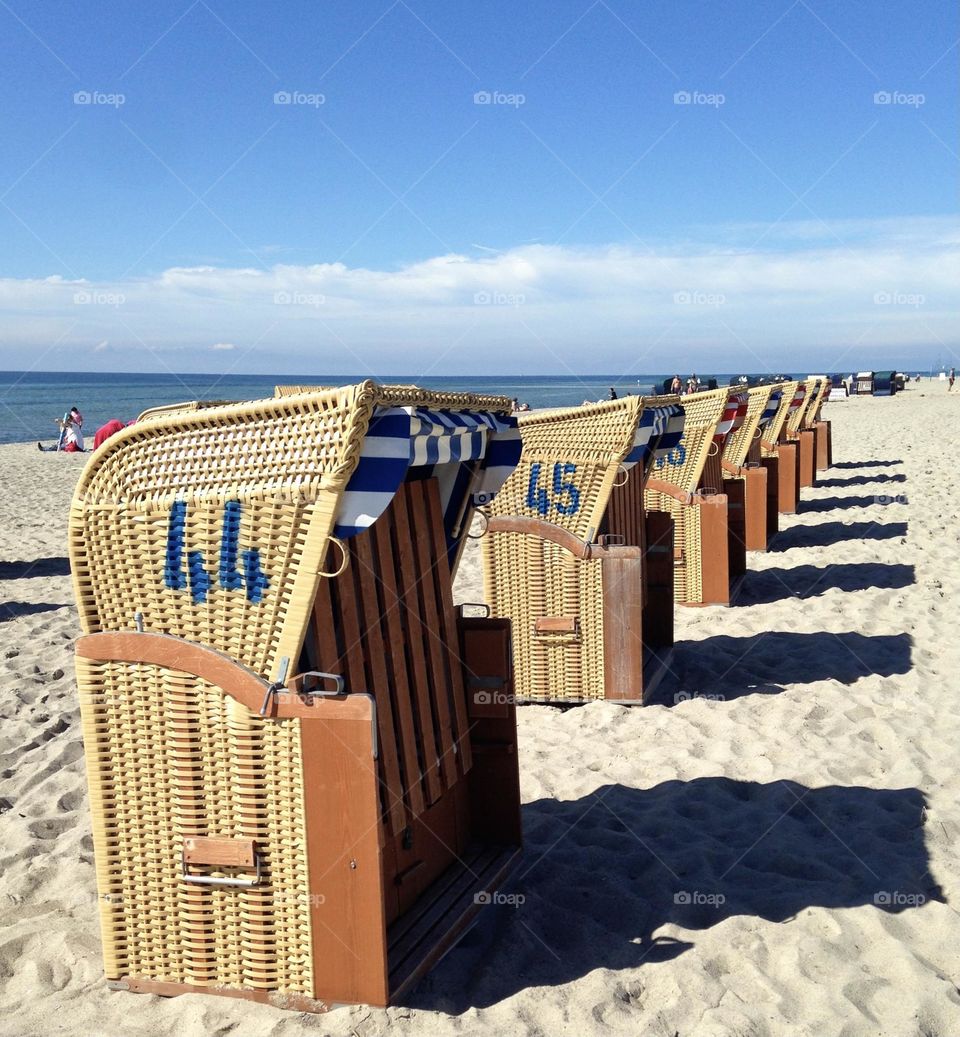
452 180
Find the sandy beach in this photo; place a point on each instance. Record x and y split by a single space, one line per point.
770 848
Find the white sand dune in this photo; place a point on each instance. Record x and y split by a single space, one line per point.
769 849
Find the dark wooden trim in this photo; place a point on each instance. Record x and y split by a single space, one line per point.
622 580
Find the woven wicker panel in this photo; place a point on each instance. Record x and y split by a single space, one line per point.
795 418
594 439
170 756
167 409
814 401
528 579
703 412
738 442
776 428
413 396
273 469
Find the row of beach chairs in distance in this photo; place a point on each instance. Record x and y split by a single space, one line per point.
301 757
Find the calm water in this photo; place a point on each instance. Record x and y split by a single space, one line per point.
29 402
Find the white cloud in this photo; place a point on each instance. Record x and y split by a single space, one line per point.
101 346
802 293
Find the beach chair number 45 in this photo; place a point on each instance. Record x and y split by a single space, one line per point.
252 577
566 497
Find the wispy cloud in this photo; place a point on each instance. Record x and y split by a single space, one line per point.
807 292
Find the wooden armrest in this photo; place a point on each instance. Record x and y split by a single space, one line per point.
235 679
658 486
543 530
733 469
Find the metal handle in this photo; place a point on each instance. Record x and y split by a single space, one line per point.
486 522
339 685
611 540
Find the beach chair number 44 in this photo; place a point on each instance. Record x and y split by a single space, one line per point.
252 578
566 497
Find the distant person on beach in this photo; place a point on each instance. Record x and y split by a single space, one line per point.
676 386
950 379
613 393
71 436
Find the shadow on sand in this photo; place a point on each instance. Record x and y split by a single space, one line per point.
602 874
12 609
856 501
823 534
861 480
37 567
763 586
864 464
730 667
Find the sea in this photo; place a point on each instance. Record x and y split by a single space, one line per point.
30 402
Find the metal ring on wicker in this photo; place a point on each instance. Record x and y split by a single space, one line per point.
344 560
714 449
624 480
757 432
486 522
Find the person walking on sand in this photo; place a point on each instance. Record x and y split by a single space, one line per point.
950 379
676 386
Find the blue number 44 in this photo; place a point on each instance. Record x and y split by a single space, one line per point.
252 579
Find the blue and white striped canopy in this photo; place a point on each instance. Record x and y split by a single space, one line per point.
657 425
470 452
672 429
770 410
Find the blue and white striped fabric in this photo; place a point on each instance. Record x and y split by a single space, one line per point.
672 431
770 410
654 424
468 451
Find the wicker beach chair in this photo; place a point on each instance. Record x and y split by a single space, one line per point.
800 430
302 763
741 463
714 480
573 560
678 487
776 445
822 437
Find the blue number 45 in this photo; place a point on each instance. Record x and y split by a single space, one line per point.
566 495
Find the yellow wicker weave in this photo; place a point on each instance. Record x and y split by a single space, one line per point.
170 755
703 412
165 410
812 414
795 421
738 443
527 578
